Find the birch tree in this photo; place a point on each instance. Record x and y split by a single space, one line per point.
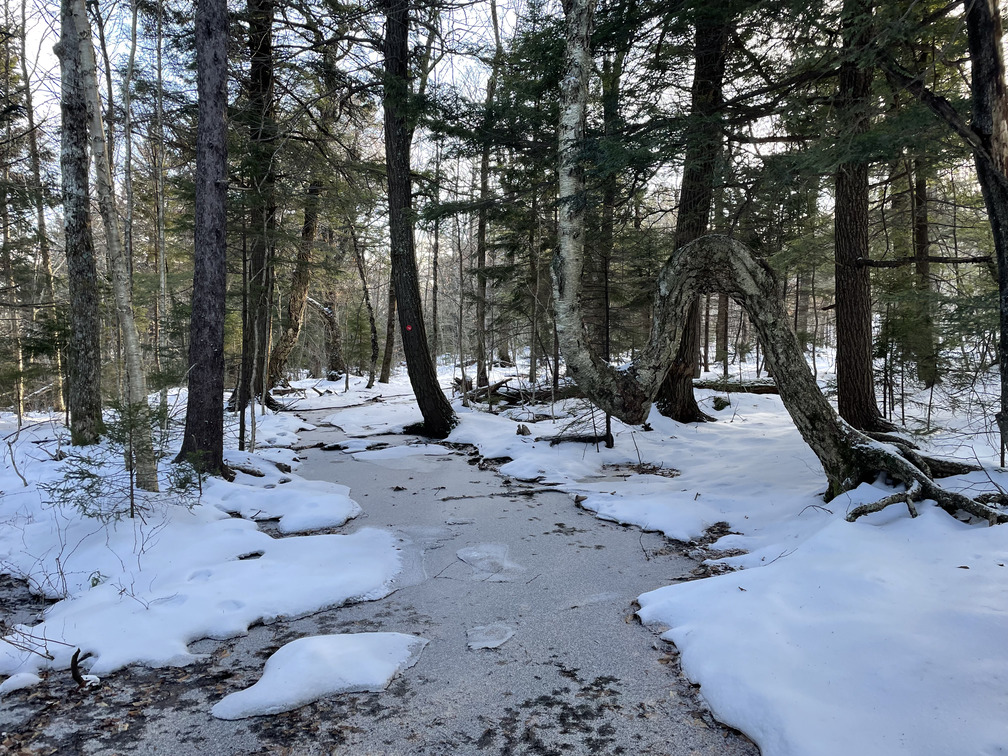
141 451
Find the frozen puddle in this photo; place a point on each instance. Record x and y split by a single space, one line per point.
490 562
489 636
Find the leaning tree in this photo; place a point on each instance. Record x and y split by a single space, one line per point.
707 265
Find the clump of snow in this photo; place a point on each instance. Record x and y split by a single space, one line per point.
18 681
307 669
205 579
300 505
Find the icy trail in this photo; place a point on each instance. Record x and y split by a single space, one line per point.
525 602
527 605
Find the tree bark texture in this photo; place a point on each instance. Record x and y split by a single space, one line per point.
696 196
386 368
84 348
924 342
372 328
438 416
855 376
484 208
297 299
262 205
142 449
203 441
990 124
48 296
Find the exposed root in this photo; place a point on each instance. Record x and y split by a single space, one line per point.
907 497
919 486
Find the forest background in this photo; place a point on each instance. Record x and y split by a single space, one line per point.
808 134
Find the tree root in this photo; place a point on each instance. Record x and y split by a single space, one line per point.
907 497
933 467
874 458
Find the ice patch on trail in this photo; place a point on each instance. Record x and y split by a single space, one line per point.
308 669
490 562
412 457
489 636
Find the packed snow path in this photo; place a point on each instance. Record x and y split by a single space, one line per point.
526 604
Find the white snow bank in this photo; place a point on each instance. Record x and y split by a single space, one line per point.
882 638
196 584
140 590
299 505
307 669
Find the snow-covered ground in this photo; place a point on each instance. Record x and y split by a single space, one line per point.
884 636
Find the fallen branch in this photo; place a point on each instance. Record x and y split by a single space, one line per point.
729 387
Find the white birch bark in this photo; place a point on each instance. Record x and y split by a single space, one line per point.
136 379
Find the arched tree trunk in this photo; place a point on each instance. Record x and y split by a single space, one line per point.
710 264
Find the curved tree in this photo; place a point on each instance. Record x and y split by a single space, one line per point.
438 415
714 264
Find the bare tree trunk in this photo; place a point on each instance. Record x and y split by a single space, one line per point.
696 197
109 117
483 207
386 368
438 415
926 353
359 259
298 297
128 177
203 441
42 236
9 283
435 345
262 210
536 286
721 338
142 452
84 348
159 191
855 376
990 122
5 237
